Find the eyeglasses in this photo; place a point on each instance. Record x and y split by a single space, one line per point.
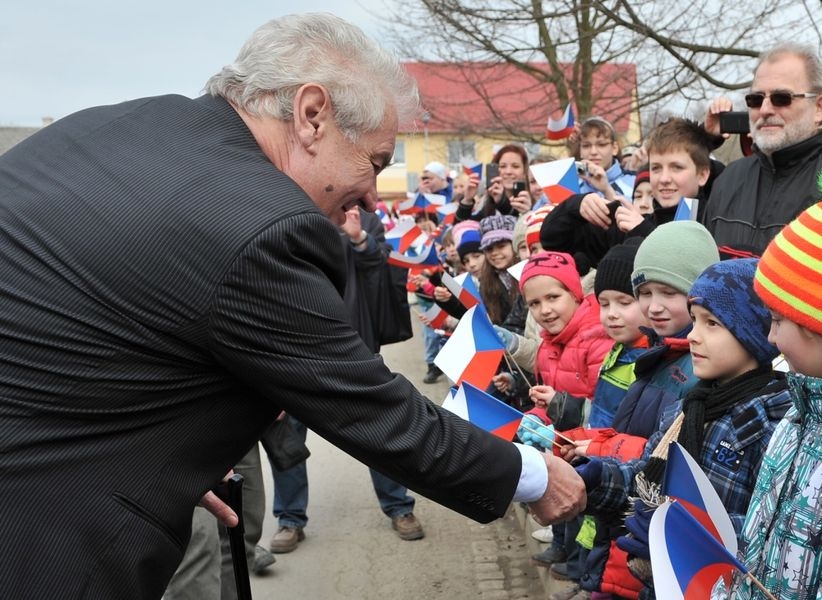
778 98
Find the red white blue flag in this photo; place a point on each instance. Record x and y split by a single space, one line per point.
687 559
563 127
417 257
558 179
462 288
420 202
686 209
435 317
405 235
473 351
686 482
484 411
471 165
446 213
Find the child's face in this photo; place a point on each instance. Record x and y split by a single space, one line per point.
598 149
715 352
500 255
522 251
535 247
674 175
666 308
451 252
801 347
550 303
644 198
621 316
473 262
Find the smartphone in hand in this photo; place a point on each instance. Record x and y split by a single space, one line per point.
732 121
491 171
519 186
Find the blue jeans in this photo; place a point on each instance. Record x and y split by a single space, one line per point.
291 492
432 342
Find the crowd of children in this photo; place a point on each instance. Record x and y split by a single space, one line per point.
662 341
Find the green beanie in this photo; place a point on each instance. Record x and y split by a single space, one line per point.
674 254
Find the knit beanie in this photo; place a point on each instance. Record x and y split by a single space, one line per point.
497 228
558 265
469 242
727 290
614 269
518 236
437 168
789 276
674 254
643 176
460 228
535 220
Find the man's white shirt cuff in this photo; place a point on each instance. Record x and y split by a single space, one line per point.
533 478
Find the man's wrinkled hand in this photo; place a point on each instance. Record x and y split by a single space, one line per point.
565 496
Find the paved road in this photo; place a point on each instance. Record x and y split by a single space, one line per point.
351 552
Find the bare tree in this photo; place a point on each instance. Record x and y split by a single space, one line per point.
685 52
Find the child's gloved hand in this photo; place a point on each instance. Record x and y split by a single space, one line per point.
636 542
510 341
533 432
590 469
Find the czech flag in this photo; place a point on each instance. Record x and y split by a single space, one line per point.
385 217
446 212
414 204
462 288
426 256
561 129
484 411
686 209
473 351
405 235
687 559
435 317
471 165
685 481
558 179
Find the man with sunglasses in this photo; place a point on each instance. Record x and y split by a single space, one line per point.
757 195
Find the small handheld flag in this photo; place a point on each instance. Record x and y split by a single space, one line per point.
686 209
685 481
463 289
484 411
405 235
557 178
686 559
473 352
427 257
563 127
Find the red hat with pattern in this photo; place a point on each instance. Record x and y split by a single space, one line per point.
559 265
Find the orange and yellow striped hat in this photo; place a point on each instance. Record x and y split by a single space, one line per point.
789 276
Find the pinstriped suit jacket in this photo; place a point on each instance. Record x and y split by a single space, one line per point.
164 292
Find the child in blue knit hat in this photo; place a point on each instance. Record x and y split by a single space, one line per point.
725 422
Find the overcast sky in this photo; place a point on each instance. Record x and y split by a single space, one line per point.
59 57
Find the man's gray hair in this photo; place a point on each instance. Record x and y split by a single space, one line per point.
362 78
808 54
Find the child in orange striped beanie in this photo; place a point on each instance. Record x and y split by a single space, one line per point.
782 534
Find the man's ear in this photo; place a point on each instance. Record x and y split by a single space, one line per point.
818 115
312 109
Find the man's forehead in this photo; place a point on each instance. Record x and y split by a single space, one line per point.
787 68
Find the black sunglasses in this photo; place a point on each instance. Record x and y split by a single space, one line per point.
779 98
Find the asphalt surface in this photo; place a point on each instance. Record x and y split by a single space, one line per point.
351 551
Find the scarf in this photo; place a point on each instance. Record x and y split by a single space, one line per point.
708 401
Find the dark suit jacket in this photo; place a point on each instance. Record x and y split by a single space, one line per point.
165 291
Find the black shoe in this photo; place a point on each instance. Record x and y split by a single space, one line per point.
432 374
559 571
549 556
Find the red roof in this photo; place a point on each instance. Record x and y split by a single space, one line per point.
478 97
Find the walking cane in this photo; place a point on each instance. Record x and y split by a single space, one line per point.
231 492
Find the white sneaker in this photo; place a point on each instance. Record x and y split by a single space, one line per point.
544 535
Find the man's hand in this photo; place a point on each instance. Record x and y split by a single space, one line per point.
352 226
718 105
220 509
565 497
